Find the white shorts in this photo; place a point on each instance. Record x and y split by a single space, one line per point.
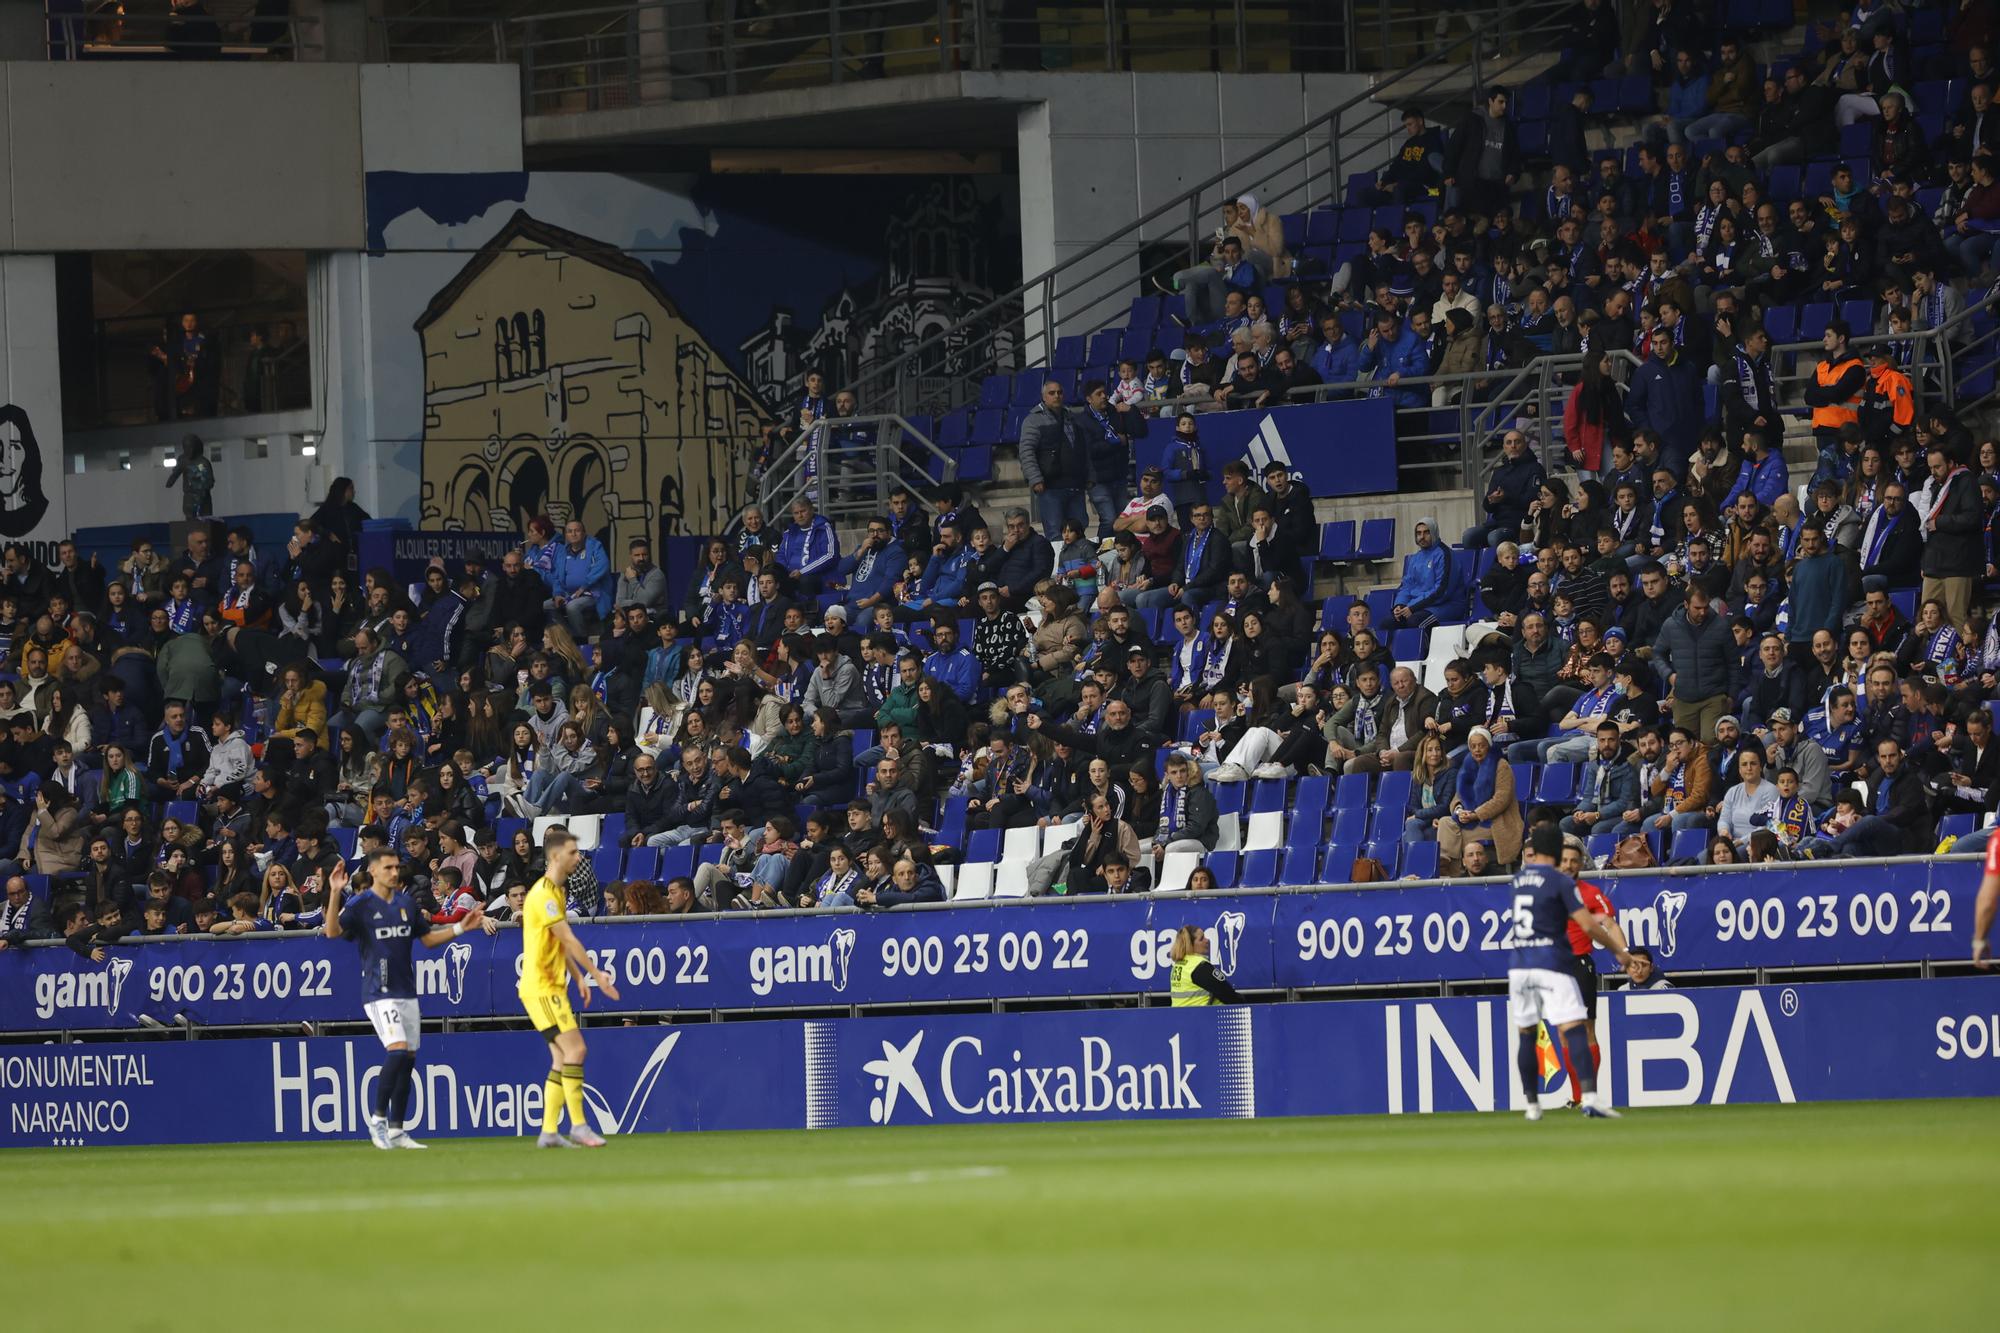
397 1022
1539 995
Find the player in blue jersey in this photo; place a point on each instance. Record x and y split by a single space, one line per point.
1541 977
386 924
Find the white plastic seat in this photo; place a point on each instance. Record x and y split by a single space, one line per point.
1175 870
1266 830
1010 880
1020 843
1058 836
1228 832
586 828
947 876
975 881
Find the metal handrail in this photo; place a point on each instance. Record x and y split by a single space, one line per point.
1012 307
838 489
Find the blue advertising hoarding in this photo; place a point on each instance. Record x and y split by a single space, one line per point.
1344 447
1054 948
1835 1041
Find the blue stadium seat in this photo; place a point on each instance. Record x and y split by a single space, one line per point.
1322 226
1524 777
1787 183
1818 179
1336 541
1229 796
1103 347
1814 316
1293 225
604 863
709 854
975 461
1333 612
1352 228
1380 603
1223 866
1635 95
1557 785
1531 101
1267 795
1407 645
1600 845
1856 140
505 829
1782 323
1859 315
1301 866
982 844
1689 842
1351 790
1393 795
1350 824
1377 539
1532 137
1420 859
1028 386
344 840
1195 721
187 812
994 390
1956 826
1389 851
987 425
954 431
1069 352
1309 798
1904 600
1259 870
1145 313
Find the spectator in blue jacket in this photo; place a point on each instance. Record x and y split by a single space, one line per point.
1666 397
1516 481
1392 354
582 581
1426 576
1338 357
946 574
1687 101
868 577
1763 472
1608 788
808 548
953 666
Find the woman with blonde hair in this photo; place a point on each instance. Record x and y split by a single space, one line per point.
558 643
588 713
1194 980
659 717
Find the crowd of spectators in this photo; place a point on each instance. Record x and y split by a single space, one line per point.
194 737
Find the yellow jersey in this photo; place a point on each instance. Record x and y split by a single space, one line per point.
543 971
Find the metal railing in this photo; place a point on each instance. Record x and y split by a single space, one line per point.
633 52
1303 168
1444 443
238 33
847 466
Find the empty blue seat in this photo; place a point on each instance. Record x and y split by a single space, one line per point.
1389 851
1787 183
604 862
1145 313
1531 101
1857 139
1689 843
954 431
1782 323
1557 785
995 390
1230 797
1818 179
1223 866
1103 347
1600 845
1310 797
187 812
1859 315
1407 645
1350 824
1267 795
1420 859
505 829
1814 316
1392 797
1333 612
1300 866
1377 539
1336 540
1259 869
1379 604
344 839
1352 790
676 862
1069 352
982 844
1322 225
1635 95
1956 826
1293 225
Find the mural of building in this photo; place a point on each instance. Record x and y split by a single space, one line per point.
559 378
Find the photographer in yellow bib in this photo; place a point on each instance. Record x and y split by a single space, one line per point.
550 955
1194 979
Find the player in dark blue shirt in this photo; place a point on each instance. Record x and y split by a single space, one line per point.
1541 982
385 923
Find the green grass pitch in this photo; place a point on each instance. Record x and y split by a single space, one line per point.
1863 1216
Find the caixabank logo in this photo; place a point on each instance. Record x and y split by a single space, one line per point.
1040 1067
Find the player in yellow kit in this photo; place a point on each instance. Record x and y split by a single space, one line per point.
550 954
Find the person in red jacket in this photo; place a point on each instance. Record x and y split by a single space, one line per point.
1573 864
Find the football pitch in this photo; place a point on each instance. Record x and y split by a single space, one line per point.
1871 1215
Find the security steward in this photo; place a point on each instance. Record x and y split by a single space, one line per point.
1835 395
1194 979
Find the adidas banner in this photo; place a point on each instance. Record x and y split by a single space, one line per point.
1053 948
1337 448
1830 1042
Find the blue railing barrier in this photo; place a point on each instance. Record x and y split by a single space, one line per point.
1832 1041
1838 914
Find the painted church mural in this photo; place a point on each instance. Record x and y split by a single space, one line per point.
612 348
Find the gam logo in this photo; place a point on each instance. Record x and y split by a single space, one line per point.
826 964
1656 927
104 990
